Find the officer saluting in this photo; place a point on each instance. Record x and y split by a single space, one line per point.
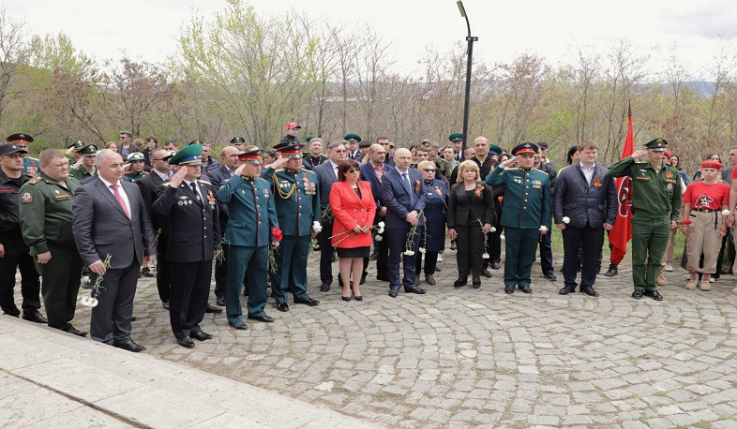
656 202
297 202
252 224
85 166
526 211
194 235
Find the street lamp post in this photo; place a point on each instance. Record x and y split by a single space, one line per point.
470 39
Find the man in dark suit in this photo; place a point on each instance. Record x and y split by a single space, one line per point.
149 186
327 174
229 163
110 220
194 235
584 205
402 189
372 172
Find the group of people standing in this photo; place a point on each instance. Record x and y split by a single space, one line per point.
256 222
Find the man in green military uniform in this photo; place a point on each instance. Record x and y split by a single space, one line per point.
85 167
252 226
136 169
30 165
656 202
526 213
46 224
72 151
298 206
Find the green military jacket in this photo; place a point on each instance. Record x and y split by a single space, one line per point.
80 173
46 212
297 199
655 196
526 197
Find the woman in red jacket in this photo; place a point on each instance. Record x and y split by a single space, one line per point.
354 209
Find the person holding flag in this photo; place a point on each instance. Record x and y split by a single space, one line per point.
656 204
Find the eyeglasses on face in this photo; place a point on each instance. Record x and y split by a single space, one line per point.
354 171
428 170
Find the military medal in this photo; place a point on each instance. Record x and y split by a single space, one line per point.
211 199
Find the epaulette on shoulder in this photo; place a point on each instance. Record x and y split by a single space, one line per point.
278 170
261 179
35 180
639 162
166 183
204 181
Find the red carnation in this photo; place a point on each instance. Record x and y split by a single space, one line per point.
687 222
276 232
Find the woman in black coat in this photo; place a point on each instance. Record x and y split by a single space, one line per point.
470 217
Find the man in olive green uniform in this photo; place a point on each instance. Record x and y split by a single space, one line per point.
46 225
526 211
87 166
297 202
656 202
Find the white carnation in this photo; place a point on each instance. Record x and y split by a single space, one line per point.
726 212
566 220
543 229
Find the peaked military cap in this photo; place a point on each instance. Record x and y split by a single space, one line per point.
455 137
496 149
135 156
290 149
352 137
76 145
190 155
199 142
525 148
89 149
656 145
237 140
252 156
20 138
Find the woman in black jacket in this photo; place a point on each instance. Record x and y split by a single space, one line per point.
470 218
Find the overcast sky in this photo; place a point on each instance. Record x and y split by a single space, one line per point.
147 29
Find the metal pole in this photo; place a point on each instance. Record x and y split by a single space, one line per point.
468 90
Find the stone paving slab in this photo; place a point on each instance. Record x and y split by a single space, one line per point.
476 357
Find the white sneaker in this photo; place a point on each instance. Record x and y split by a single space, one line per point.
712 279
440 258
668 267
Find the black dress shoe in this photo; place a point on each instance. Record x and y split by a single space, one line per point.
611 272
525 288
637 294
568 289
358 297
165 304
200 335
486 273
430 280
382 278
550 276
220 301
264 318
308 301
72 330
186 342
146 272
496 265
211 309
453 245
34 316
131 346
509 289
393 292
653 294
460 282
363 278
325 287
590 291
282 306
417 290
346 298
133 318
476 283
239 326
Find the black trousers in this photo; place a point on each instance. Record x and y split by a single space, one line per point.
190 286
590 240
382 257
30 285
163 269
431 258
326 253
546 253
470 248
111 318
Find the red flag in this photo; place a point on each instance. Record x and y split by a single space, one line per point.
622 231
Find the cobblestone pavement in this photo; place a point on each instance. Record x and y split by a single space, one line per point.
466 357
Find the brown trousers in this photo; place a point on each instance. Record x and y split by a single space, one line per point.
703 237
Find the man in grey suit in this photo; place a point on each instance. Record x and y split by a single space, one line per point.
327 174
110 218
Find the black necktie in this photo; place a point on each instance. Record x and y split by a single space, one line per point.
194 189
